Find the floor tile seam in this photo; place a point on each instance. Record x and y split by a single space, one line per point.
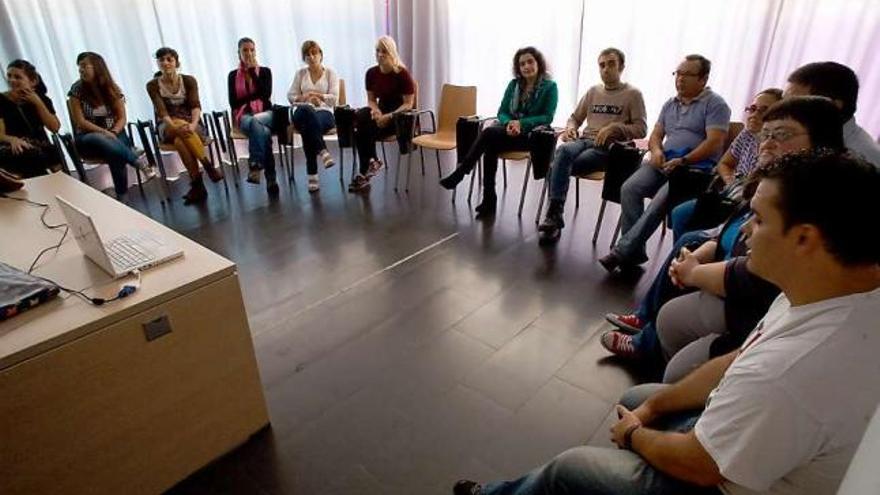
357 283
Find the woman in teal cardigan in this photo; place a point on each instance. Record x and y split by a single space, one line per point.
529 101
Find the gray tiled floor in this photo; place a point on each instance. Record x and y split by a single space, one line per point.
477 358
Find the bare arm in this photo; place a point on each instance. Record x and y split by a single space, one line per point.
121 117
655 145
709 147
727 167
79 120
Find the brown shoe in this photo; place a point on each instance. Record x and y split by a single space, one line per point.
197 192
214 173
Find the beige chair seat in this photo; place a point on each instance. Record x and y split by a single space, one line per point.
597 175
514 155
237 134
443 140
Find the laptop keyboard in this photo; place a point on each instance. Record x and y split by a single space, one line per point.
125 252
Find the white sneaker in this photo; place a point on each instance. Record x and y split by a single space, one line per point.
314 184
327 158
147 171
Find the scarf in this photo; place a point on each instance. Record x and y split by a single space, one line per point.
244 87
515 109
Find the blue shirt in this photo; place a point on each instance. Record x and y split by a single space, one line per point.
686 126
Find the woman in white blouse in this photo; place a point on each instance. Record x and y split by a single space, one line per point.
314 93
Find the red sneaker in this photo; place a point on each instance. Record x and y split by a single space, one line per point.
628 323
620 344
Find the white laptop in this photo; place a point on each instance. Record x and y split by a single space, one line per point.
137 250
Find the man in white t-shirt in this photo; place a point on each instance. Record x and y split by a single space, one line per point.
784 413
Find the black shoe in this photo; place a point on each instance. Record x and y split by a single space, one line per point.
487 208
272 187
197 193
452 180
610 262
467 487
553 222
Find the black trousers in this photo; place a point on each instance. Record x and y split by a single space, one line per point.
492 141
365 136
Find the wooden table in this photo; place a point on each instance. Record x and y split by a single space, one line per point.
87 402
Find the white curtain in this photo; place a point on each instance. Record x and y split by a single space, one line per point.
127 33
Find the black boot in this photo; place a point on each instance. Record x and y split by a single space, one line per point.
486 209
197 192
553 221
452 180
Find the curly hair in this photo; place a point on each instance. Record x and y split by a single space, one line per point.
539 57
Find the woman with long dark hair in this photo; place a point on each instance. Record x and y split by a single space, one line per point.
529 101
97 108
25 114
250 98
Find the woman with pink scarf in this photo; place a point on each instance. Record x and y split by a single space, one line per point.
250 93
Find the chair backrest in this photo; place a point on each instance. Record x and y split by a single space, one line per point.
732 132
341 101
455 102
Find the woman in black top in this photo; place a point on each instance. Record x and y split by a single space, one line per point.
25 114
250 93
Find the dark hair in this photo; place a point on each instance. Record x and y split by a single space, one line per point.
774 92
615 51
832 191
245 40
162 52
102 90
308 46
705 64
818 114
31 72
831 79
542 65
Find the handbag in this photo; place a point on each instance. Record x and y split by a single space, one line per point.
542 143
344 117
466 131
404 128
623 160
687 183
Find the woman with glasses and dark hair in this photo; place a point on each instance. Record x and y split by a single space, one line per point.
529 101
25 114
704 301
175 98
250 98
314 92
97 108
732 169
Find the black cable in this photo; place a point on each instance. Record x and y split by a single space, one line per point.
46 224
97 301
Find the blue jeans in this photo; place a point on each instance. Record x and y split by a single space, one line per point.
312 125
637 223
117 152
602 470
258 129
661 291
576 157
680 218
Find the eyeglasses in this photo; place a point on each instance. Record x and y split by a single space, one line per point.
778 135
756 109
679 73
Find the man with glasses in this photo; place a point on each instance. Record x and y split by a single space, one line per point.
784 412
690 132
614 112
840 83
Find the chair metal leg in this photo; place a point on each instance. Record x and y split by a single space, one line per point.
504 170
422 153
473 177
397 173
439 170
599 221
522 197
408 168
384 157
341 164
577 194
616 232
541 202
